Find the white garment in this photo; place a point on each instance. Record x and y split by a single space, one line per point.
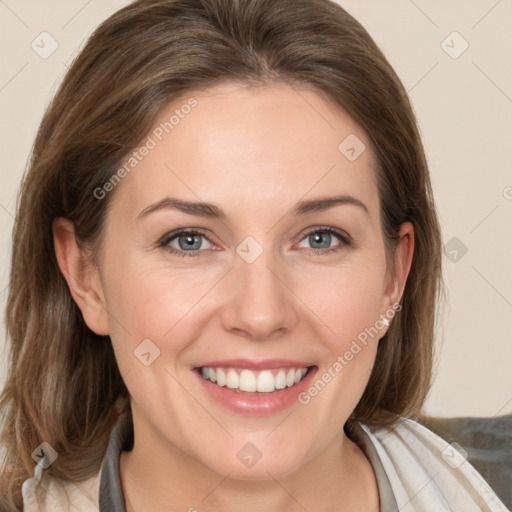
425 472
429 475
57 496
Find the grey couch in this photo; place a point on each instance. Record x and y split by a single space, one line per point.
488 442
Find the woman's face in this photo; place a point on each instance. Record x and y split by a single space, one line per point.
259 291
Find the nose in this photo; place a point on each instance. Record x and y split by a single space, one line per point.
261 304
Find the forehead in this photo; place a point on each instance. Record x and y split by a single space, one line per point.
250 147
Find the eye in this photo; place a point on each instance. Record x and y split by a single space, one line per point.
191 242
322 238
186 242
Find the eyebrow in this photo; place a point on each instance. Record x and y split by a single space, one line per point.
210 210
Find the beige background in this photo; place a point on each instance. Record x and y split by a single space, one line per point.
464 107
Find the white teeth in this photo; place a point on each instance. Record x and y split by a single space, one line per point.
221 377
280 380
232 380
290 378
247 381
265 381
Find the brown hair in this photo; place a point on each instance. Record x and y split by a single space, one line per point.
63 384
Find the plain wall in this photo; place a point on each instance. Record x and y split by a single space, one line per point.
464 109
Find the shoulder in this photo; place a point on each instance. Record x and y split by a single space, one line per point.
487 443
422 466
43 493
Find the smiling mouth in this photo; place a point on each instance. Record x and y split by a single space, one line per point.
254 382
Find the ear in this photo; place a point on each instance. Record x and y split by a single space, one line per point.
403 260
82 276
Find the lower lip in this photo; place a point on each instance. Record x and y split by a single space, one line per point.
256 403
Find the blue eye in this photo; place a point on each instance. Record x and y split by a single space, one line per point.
321 239
191 242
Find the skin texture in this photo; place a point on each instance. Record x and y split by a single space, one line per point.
255 152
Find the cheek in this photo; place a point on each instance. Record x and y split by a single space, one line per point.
157 303
347 300
152 320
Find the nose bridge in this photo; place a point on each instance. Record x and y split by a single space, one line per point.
260 302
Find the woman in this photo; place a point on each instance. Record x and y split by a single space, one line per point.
225 267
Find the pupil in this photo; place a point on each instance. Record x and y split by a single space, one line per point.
318 237
191 242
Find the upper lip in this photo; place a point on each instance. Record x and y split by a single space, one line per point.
248 364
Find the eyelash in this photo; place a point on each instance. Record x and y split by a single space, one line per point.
167 238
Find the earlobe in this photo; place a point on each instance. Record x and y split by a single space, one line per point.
81 275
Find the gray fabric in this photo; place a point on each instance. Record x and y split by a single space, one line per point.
488 442
111 494
387 498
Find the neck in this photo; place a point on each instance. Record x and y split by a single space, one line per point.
339 478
